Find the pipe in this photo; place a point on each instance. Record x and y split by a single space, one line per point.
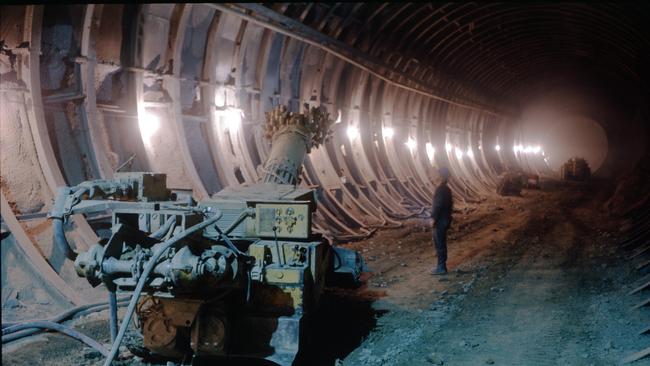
145 275
44 324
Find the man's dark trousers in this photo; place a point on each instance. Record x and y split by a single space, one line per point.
440 239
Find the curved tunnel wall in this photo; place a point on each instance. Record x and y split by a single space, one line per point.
182 90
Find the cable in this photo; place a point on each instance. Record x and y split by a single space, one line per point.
160 233
246 213
43 324
336 254
112 306
60 241
64 315
9 336
143 279
247 259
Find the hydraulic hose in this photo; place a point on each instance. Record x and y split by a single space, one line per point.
43 324
58 214
112 307
224 234
60 241
145 275
8 335
246 213
160 233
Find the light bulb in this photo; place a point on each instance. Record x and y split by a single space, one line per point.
411 144
352 132
448 147
459 153
149 124
431 151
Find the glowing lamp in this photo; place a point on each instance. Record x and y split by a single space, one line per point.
149 124
352 133
411 144
459 153
230 118
431 151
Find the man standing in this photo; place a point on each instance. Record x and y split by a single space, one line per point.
442 207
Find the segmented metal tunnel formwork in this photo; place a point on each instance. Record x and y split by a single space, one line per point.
84 82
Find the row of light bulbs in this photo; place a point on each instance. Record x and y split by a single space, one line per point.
528 149
411 144
150 124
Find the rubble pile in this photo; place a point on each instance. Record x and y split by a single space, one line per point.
632 190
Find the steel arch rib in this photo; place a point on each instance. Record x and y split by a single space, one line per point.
31 76
173 87
35 257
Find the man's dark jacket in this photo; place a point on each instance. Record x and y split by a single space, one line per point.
442 206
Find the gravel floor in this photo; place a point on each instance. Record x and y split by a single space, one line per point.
534 280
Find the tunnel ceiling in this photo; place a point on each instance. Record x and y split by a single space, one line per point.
498 48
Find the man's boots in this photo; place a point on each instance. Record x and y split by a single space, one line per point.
439 270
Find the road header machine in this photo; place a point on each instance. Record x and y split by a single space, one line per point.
234 275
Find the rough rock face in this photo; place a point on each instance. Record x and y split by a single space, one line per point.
510 184
632 190
18 158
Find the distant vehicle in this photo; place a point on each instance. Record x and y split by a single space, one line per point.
576 169
531 181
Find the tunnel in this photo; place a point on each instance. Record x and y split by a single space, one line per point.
486 93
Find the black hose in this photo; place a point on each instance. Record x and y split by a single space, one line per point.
43 324
112 306
9 336
151 264
120 303
224 236
336 254
66 314
59 213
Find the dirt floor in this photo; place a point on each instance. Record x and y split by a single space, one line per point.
534 280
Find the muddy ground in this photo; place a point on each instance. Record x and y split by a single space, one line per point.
534 280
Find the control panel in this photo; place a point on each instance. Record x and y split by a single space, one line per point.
283 220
